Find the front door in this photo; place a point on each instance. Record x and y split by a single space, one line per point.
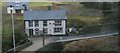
30 32
18 11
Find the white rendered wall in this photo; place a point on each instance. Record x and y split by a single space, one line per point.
27 27
63 26
22 11
49 26
9 10
52 26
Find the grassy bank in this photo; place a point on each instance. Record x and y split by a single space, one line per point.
109 43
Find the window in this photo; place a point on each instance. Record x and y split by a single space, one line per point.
17 1
17 4
30 23
58 30
36 23
44 23
37 31
45 30
58 22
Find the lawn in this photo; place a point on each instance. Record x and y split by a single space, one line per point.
88 20
35 4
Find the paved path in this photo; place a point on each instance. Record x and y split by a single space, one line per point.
37 44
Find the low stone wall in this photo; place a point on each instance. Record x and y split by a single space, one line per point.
20 47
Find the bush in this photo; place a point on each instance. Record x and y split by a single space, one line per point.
77 23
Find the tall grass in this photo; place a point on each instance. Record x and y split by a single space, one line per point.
109 43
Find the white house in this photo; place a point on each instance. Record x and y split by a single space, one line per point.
52 22
18 6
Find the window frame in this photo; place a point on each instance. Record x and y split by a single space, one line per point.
30 23
44 22
36 23
58 22
58 30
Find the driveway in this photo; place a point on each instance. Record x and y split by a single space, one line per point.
37 43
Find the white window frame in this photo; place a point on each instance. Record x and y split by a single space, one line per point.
58 30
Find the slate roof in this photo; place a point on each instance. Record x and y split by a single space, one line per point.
44 14
20 3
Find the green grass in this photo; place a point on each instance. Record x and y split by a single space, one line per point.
82 17
0 3
89 20
109 43
35 4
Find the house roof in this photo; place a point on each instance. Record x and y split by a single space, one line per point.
17 4
44 14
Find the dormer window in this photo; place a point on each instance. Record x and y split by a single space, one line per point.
17 5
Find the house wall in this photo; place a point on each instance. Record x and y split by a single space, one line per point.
49 26
22 11
52 26
9 10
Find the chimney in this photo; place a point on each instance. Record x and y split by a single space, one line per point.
25 8
49 7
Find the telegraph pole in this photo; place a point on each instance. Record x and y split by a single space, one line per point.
43 38
13 32
119 18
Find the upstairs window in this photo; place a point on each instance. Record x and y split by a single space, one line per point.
36 23
30 23
45 23
17 4
58 22
58 30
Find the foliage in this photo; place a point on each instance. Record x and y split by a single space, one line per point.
76 23
109 10
7 31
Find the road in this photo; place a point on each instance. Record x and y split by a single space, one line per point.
37 43
78 37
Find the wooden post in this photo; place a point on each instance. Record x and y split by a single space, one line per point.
43 38
118 17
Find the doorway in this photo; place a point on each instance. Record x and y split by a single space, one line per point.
18 11
30 32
